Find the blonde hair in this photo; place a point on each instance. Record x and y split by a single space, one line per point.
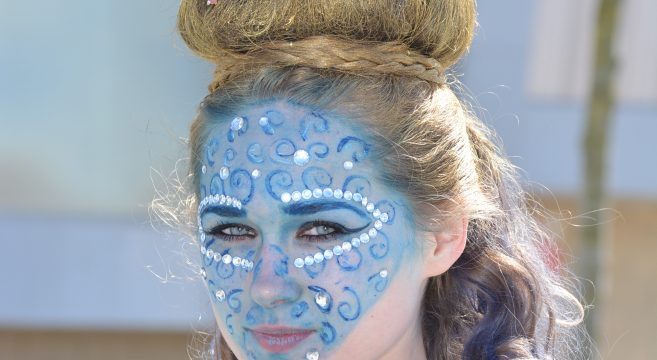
381 64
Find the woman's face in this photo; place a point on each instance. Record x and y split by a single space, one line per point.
305 253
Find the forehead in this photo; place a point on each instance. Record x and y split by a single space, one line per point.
268 151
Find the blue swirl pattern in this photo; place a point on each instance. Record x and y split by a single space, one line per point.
349 311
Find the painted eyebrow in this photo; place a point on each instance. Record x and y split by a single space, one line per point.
225 211
313 207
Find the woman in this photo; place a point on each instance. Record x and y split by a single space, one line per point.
348 205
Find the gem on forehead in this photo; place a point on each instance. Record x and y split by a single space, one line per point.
264 121
220 295
358 197
286 197
255 173
204 169
237 123
317 193
319 257
364 201
328 193
224 173
301 157
348 165
306 194
348 195
296 196
337 193
298 262
312 355
328 254
227 259
309 260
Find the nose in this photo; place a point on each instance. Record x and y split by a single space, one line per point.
272 286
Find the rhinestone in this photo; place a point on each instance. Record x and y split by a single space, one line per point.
328 193
246 263
348 165
255 173
204 169
210 253
317 193
224 172
309 260
264 121
237 123
322 300
312 355
237 261
376 213
286 197
364 238
296 196
328 254
217 256
306 194
227 259
204 274
384 217
372 233
238 204
202 237
220 295
319 257
355 242
203 250
378 224
222 199
337 250
229 201
358 197
337 193
298 262
364 201
301 157
383 273
348 195
370 207
346 246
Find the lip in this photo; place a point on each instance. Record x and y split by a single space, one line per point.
279 339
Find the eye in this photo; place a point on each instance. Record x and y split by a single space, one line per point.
233 232
324 231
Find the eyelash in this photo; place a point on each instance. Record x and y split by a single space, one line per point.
338 231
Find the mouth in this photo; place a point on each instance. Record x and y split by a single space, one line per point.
279 339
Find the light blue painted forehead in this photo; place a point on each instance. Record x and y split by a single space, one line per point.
278 148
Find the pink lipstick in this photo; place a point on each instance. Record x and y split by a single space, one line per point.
279 339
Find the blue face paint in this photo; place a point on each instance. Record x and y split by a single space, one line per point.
298 237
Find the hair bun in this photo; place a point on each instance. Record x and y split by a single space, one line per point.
441 29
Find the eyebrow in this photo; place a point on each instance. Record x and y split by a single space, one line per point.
313 207
223 210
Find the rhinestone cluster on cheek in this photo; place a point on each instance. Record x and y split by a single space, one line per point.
227 259
327 193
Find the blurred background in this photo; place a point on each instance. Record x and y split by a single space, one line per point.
96 99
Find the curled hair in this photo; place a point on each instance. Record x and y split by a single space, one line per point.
499 300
